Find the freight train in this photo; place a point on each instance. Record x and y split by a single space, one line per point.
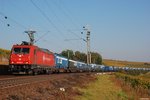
30 59
26 58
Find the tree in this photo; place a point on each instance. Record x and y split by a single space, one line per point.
96 58
80 56
83 57
68 53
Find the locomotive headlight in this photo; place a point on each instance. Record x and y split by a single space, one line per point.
26 62
12 62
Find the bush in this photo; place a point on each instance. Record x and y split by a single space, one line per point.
135 81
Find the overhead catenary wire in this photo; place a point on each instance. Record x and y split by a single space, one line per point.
9 18
68 17
77 35
47 18
6 18
67 12
41 36
14 21
52 10
72 39
3 22
48 5
72 18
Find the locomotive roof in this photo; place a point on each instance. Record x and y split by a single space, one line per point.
42 49
45 50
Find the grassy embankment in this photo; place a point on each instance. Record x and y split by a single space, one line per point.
102 89
117 87
137 86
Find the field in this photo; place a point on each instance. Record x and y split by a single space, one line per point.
102 89
110 87
136 86
120 63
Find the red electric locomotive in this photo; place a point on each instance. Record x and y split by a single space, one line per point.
27 59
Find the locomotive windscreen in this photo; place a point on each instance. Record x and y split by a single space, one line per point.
21 50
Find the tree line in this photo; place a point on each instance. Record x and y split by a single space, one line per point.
96 58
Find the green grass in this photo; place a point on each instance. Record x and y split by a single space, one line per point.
102 89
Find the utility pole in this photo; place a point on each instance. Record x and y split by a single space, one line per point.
31 36
86 28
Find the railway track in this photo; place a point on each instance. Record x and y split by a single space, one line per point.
26 80
19 81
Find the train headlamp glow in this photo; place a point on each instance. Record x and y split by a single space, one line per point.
26 62
12 62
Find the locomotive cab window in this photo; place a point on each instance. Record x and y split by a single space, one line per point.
25 50
17 50
21 50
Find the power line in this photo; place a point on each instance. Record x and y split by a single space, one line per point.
41 37
3 22
72 39
47 18
68 17
48 5
74 33
14 21
68 14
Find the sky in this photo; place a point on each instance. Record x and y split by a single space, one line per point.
120 29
